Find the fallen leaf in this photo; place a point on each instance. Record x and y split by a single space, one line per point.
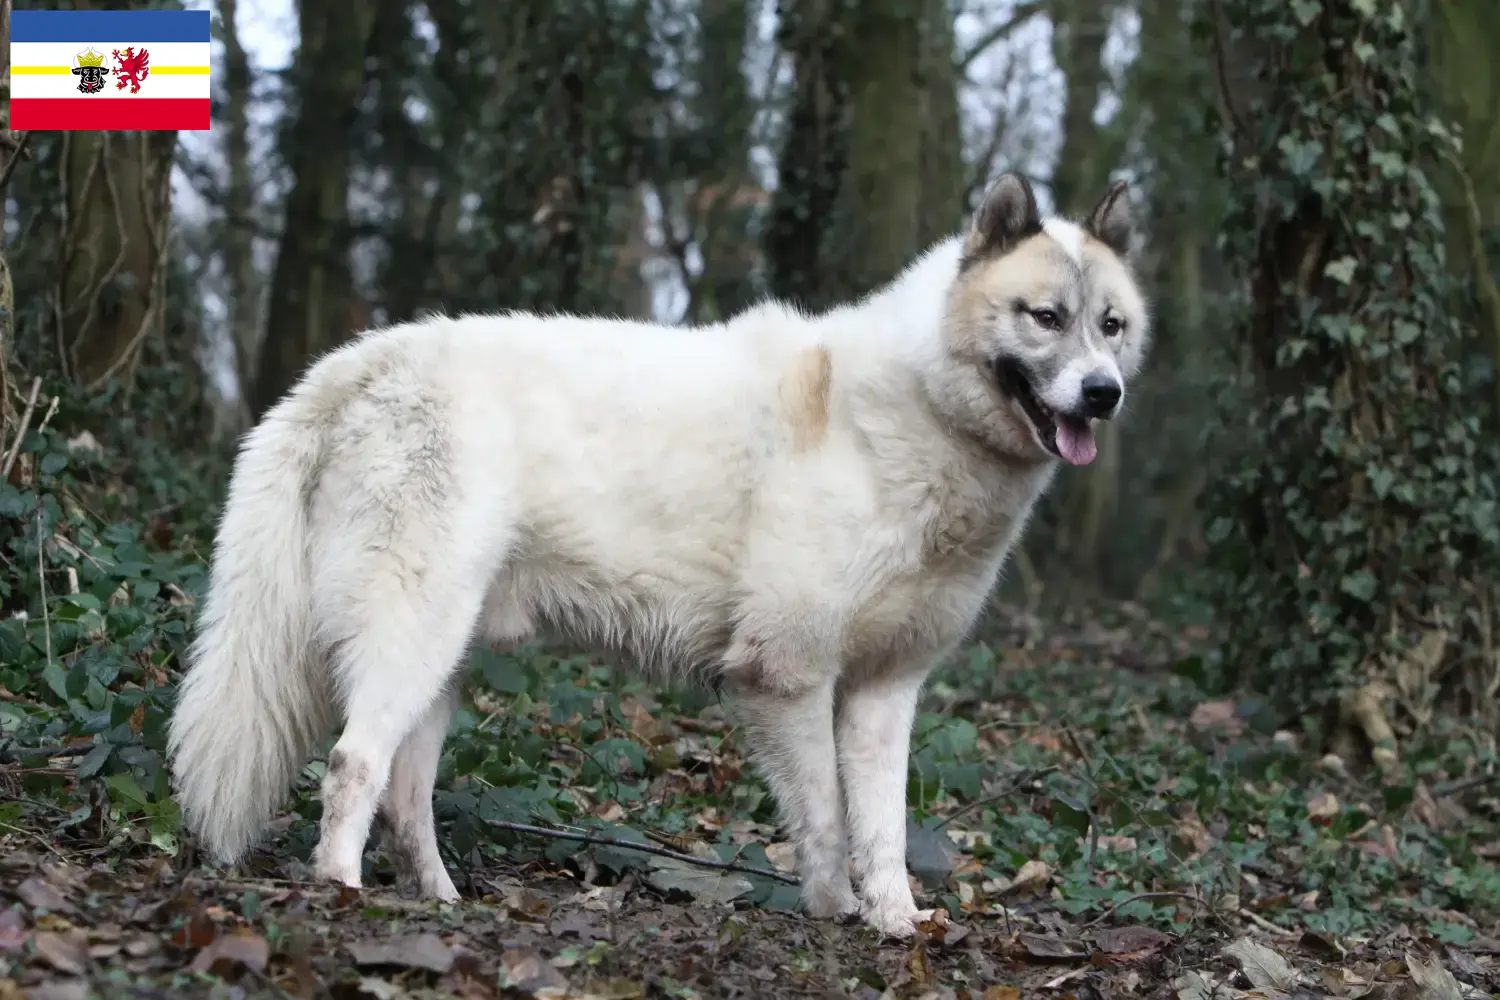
527 971
919 967
142 945
59 989
1433 980
1047 946
198 932
1191 831
1001 993
1383 844
783 856
42 895
1262 966
412 951
704 884
1032 878
12 930
1322 805
610 811
1117 843
1217 716
940 932
241 947
1196 986
967 840
67 952
380 989
1079 973
1131 940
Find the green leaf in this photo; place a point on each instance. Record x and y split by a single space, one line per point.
54 462
125 787
95 760
12 503
1341 270
500 671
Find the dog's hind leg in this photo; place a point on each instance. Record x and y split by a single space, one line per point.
394 673
410 835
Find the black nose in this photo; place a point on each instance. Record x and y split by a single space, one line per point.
1101 394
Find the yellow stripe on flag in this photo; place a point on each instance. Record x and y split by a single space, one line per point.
155 70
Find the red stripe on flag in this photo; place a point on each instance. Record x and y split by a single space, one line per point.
47 113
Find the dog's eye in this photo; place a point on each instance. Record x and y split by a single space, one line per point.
1047 318
1113 325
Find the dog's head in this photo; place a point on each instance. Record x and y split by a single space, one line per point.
1045 324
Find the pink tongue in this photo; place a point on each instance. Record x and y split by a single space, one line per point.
1075 441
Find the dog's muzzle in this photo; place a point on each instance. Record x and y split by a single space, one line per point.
1101 395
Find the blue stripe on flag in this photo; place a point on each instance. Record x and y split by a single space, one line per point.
109 27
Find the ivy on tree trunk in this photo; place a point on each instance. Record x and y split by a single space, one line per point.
1353 532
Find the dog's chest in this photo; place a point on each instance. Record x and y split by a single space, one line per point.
933 591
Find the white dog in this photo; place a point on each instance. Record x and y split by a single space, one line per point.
807 510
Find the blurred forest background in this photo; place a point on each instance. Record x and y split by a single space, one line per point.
1308 466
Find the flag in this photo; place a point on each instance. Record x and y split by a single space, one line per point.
109 69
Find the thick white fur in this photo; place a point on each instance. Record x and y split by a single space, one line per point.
680 493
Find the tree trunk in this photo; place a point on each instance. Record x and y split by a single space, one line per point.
239 207
117 206
1353 545
310 307
1079 30
1089 497
723 195
872 169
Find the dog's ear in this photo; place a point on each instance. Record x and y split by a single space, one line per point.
1007 216
1110 222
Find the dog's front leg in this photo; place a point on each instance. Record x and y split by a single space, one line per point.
787 710
874 736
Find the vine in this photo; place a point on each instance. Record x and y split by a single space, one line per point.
1354 532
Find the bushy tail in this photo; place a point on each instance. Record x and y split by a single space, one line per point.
254 702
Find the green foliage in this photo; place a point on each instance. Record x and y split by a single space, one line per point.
96 597
1356 514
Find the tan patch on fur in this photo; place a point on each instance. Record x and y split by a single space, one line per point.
804 396
1029 273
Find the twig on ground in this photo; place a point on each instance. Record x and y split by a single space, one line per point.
15 446
1146 895
1024 778
41 580
1464 784
1266 925
1078 747
625 845
20 753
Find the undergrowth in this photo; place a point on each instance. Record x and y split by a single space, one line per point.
1045 774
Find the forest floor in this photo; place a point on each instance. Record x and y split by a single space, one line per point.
1088 821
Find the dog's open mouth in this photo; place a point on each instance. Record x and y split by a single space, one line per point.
1068 437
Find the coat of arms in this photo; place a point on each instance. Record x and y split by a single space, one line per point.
89 67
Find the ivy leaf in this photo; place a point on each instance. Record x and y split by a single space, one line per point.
1341 270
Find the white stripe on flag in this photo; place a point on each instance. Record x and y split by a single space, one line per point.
62 53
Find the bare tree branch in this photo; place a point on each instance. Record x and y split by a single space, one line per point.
1024 12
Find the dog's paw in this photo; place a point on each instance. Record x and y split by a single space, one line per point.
895 921
831 903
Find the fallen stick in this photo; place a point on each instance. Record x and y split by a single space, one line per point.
15 447
625 845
